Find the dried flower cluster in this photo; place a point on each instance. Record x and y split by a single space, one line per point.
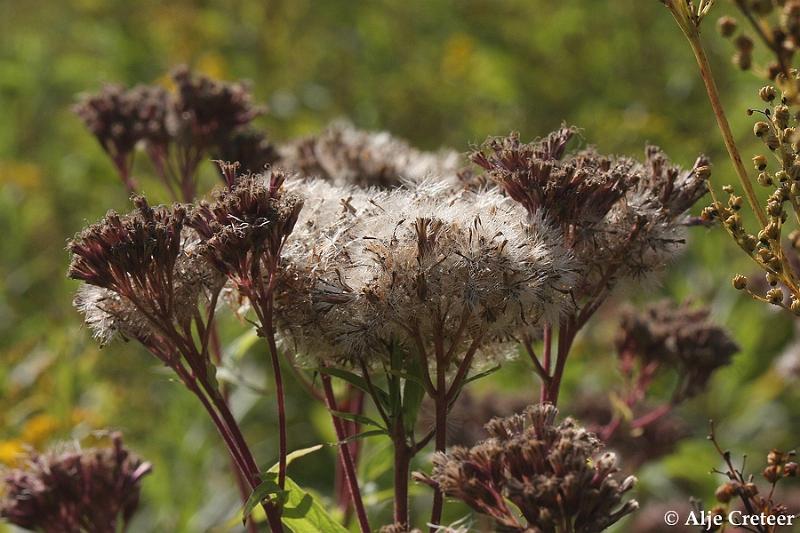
142 277
554 473
678 337
345 155
397 270
246 226
75 490
620 218
178 131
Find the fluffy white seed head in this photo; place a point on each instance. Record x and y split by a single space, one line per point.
419 267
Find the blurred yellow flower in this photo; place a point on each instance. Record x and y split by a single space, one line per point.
39 429
10 451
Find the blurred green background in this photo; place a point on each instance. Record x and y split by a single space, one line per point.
438 73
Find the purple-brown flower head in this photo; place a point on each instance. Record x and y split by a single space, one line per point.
247 225
554 473
80 490
120 118
621 219
669 187
142 273
675 336
250 149
133 254
572 191
209 111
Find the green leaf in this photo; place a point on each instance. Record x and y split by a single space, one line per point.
361 419
362 435
297 454
303 514
481 375
268 487
472 378
357 381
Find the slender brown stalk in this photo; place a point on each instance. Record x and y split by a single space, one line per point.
692 33
345 457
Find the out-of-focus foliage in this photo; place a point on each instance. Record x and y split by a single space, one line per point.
433 71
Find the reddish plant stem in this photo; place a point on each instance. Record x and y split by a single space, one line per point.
345 457
648 418
354 404
276 369
236 445
216 358
402 464
547 339
566 335
263 309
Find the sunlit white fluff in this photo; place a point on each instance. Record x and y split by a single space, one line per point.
417 266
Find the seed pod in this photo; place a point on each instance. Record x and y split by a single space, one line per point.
760 162
760 128
772 473
767 93
794 239
703 172
725 492
744 44
775 296
739 282
749 489
772 141
743 60
782 116
727 26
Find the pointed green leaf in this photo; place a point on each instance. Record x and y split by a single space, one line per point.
361 419
481 375
297 454
357 381
362 435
